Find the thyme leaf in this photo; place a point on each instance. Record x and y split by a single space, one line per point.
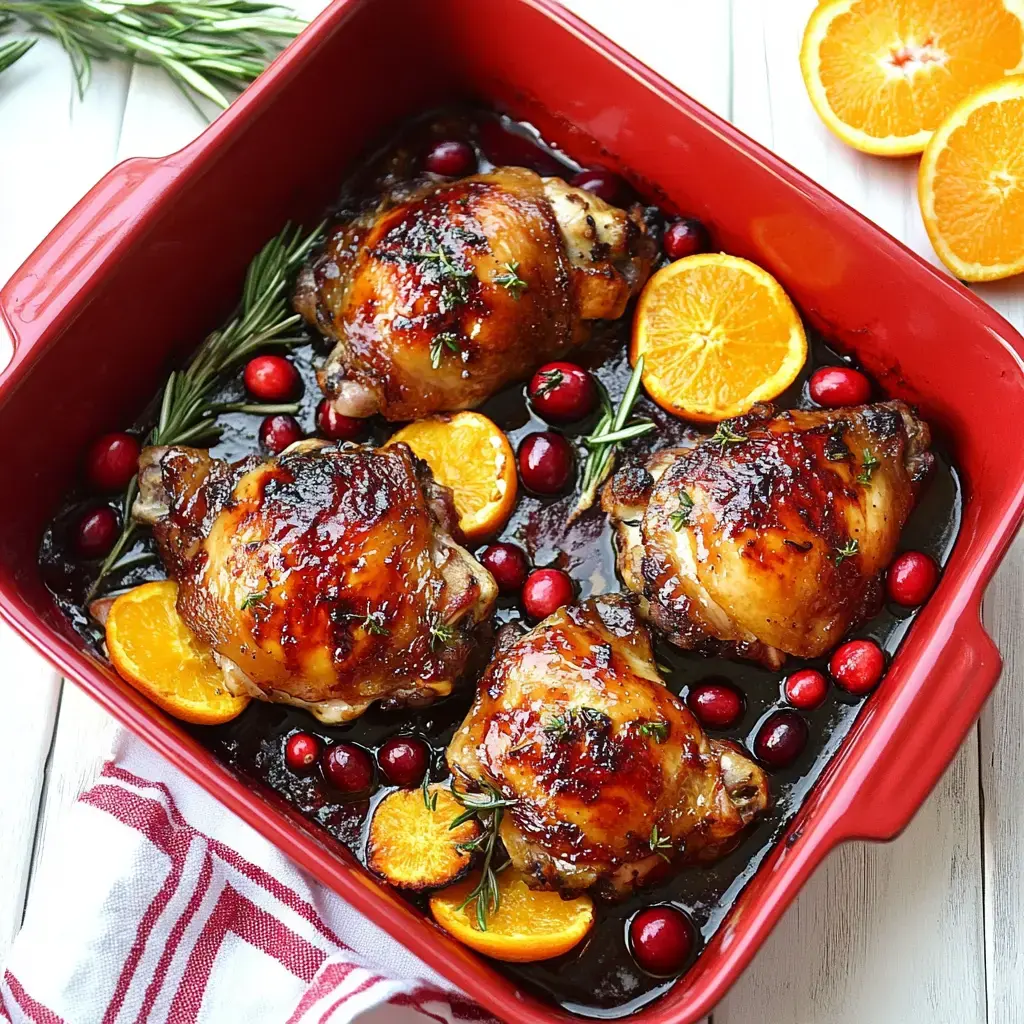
549 380
441 634
444 340
659 844
867 467
681 516
253 599
846 551
726 437
658 731
511 281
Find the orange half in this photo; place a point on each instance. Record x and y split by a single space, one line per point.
158 654
882 74
718 334
470 454
971 184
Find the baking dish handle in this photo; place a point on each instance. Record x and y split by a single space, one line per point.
900 764
54 280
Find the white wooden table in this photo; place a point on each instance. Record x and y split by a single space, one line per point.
928 929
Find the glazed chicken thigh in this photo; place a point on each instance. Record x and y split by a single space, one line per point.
611 776
770 538
325 577
445 292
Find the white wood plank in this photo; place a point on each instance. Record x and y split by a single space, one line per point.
891 932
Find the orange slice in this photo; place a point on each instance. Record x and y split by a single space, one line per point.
717 334
471 455
528 925
413 845
971 184
882 74
157 653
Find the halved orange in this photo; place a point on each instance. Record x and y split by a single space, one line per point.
157 653
883 74
470 454
971 184
528 925
717 334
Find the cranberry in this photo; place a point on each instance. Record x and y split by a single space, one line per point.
781 739
806 689
605 184
271 379
562 391
545 591
403 760
96 532
546 462
836 386
685 237
277 432
508 565
452 158
347 767
111 462
857 666
301 751
911 578
661 939
337 426
716 705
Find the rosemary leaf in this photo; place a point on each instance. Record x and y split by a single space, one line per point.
13 51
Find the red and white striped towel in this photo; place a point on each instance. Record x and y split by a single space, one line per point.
155 904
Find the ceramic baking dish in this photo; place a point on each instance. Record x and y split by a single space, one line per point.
151 257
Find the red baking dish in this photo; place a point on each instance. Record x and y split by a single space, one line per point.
150 258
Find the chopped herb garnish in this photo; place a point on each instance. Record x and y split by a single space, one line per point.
254 599
726 437
510 280
441 635
681 516
847 551
659 844
549 380
561 726
372 623
444 340
453 278
867 467
658 731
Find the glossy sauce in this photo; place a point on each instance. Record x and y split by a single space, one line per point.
599 977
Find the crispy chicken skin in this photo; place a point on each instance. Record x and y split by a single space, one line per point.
573 723
446 292
775 543
325 577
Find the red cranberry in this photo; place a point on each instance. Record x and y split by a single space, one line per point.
837 386
685 237
605 184
781 739
911 578
806 689
301 751
277 432
111 462
347 767
546 462
716 705
96 532
562 391
545 591
337 426
857 666
508 565
452 158
403 760
661 939
271 379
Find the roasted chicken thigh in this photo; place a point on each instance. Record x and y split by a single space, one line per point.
325 577
770 538
445 292
610 775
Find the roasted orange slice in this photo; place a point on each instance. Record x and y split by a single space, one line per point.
528 924
883 74
971 184
472 456
412 843
157 653
717 334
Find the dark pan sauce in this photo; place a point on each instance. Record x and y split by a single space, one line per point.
599 978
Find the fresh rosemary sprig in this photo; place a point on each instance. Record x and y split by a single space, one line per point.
867 467
13 51
659 844
846 551
726 437
202 44
441 634
187 413
439 342
612 429
488 807
510 280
